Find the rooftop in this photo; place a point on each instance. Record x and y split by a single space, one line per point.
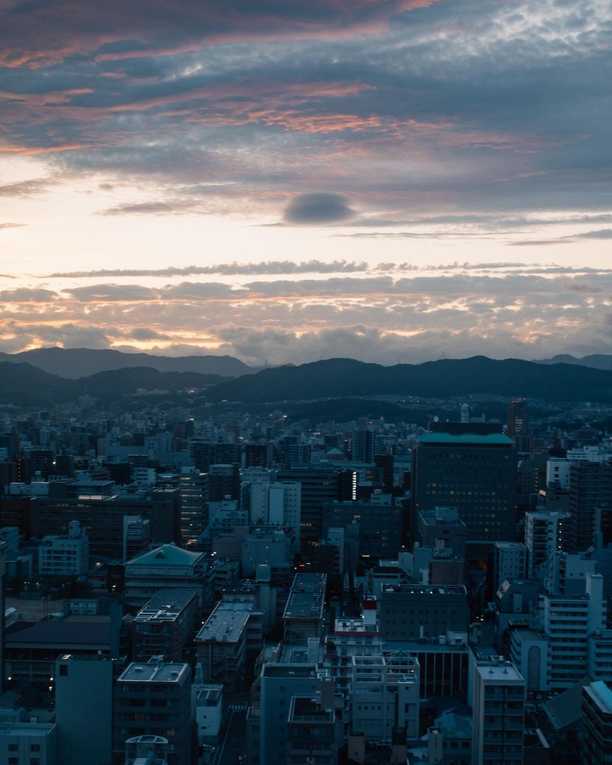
472 439
166 555
153 672
225 625
165 605
500 672
602 694
307 597
26 729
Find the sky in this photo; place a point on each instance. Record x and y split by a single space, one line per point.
290 180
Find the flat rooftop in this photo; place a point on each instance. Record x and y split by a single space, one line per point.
307 597
165 606
26 729
502 672
465 439
145 672
209 696
290 670
224 625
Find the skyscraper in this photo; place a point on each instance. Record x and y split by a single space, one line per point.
473 469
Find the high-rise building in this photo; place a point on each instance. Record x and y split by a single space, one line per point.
545 532
590 494
319 485
363 445
518 418
472 469
498 713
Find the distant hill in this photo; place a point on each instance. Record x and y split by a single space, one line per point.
595 361
82 362
26 385
345 378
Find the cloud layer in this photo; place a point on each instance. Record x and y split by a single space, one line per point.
185 173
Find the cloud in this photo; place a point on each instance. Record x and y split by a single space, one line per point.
26 188
151 208
318 207
271 267
7 226
25 295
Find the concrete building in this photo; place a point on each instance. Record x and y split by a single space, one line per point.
569 623
166 568
442 527
510 562
267 545
84 709
412 611
385 697
146 750
165 625
379 526
596 733
311 733
154 699
28 743
529 654
472 471
304 611
545 532
590 494
65 556
222 645
280 682
498 713
208 712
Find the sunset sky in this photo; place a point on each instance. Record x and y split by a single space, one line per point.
288 180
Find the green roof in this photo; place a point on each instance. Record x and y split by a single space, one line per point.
490 439
166 555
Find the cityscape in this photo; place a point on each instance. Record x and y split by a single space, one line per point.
305 382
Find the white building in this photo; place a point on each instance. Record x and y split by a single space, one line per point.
385 696
65 556
558 472
544 534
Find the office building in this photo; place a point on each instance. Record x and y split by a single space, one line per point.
498 713
510 562
222 645
311 733
65 556
280 683
165 625
441 527
319 486
545 532
166 567
379 526
590 495
154 699
412 611
472 471
304 611
385 697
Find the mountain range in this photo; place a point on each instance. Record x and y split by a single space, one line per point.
32 384
434 379
27 385
74 363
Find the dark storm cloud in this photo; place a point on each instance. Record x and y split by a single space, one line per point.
318 208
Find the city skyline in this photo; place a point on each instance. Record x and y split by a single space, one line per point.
395 181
